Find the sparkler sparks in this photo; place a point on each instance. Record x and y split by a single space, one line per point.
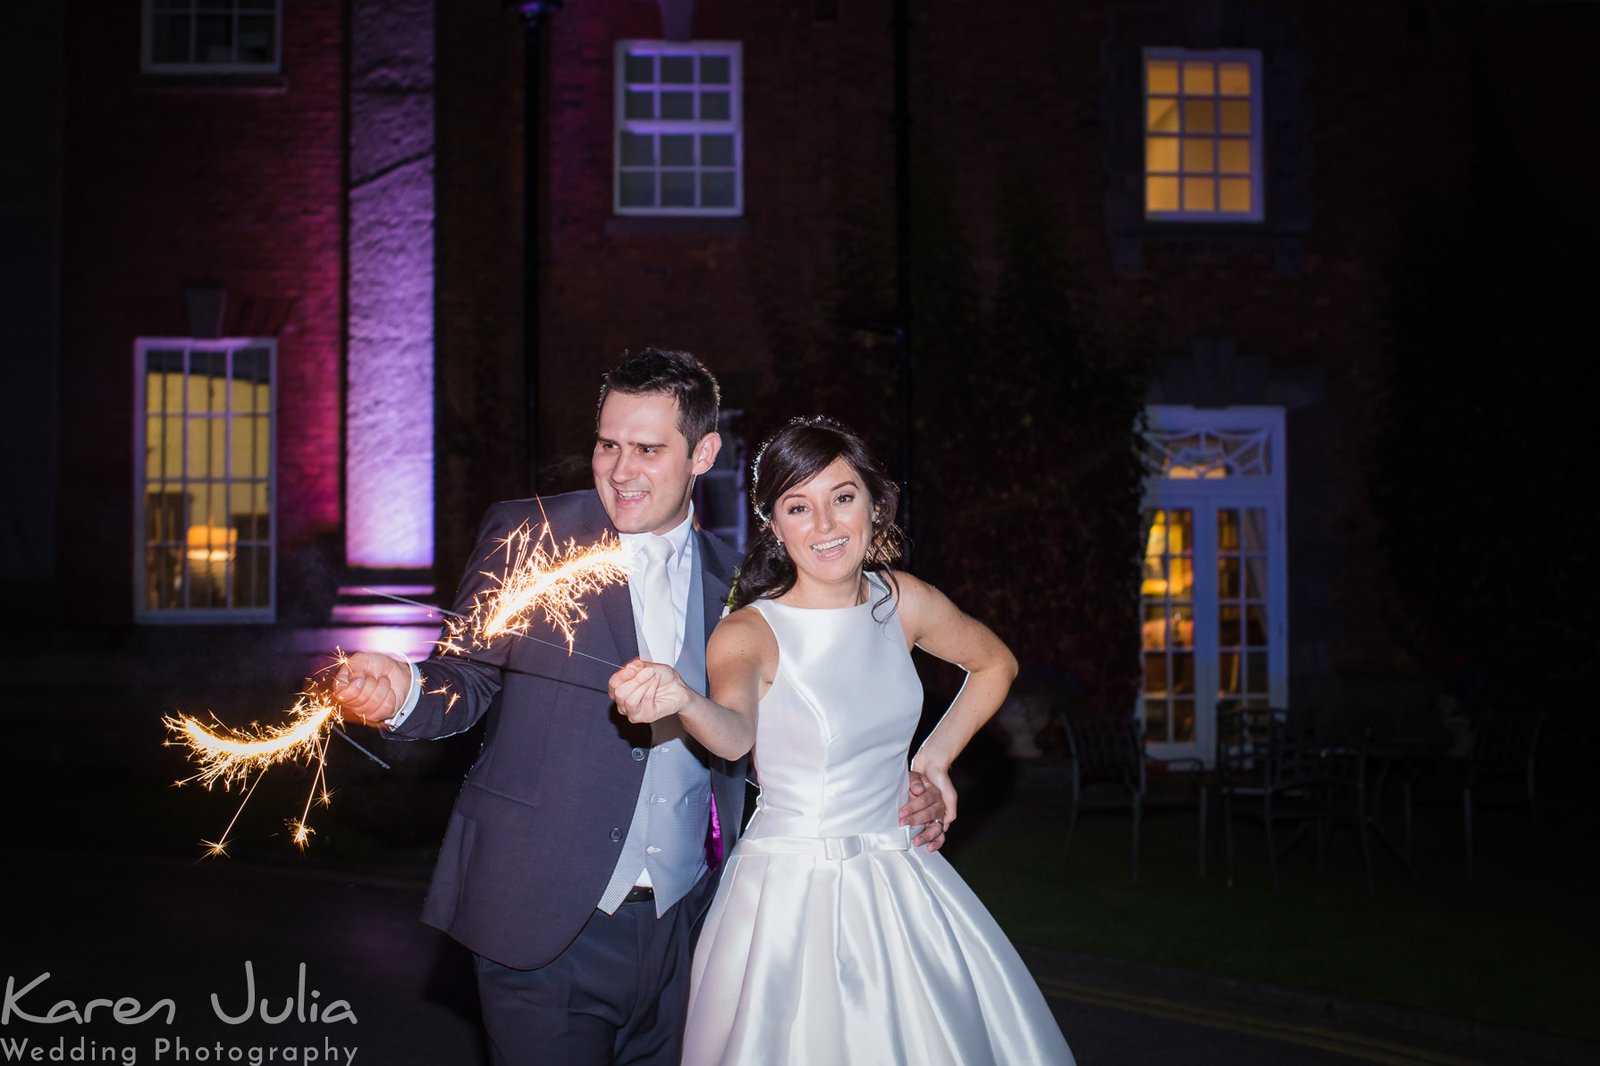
538 582
232 756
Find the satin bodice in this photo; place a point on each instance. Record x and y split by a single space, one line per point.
833 731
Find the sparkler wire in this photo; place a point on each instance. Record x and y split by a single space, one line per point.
515 633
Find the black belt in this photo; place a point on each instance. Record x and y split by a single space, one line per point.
640 894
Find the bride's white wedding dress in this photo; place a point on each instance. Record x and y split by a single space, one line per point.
831 940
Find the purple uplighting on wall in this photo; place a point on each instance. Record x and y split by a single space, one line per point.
389 387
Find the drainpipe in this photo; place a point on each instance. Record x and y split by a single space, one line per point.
534 14
902 250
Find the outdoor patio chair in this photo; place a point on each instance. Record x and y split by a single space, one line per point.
1107 750
1505 748
1281 772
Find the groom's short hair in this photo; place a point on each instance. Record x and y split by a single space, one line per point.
671 373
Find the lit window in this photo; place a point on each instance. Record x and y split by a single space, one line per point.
1202 135
679 146
212 36
203 481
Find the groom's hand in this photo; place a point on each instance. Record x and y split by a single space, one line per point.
371 686
925 808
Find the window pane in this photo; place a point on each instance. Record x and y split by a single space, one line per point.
1198 154
716 188
1183 720
1233 79
639 69
1182 578
1198 79
677 150
1155 720
1199 116
1155 674
1161 194
1199 194
715 70
637 104
1161 154
1228 676
677 70
716 107
213 39
638 150
716 150
1235 194
1255 529
1161 76
677 189
638 189
253 365
1183 672
1233 157
1228 578
1236 116
1256 667
1255 577
677 105
1161 116
1229 634
1255 628
255 40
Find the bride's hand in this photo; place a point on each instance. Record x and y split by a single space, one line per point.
932 806
645 691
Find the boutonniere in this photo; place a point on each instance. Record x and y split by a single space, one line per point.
733 584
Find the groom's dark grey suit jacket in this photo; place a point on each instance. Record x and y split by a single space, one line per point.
540 821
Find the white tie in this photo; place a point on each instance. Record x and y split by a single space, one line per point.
658 627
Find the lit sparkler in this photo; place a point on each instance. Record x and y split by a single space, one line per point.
231 756
538 582
550 583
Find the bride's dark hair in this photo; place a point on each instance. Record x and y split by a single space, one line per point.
792 456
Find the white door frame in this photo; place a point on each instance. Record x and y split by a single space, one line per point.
1206 460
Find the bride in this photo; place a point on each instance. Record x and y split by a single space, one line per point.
831 938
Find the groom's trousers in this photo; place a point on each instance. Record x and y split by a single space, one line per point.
617 995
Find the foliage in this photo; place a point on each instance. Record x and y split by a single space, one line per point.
1026 476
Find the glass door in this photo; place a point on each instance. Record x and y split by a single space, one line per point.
1214 609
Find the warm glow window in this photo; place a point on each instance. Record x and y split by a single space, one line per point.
212 36
204 480
1202 136
679 143
1213 632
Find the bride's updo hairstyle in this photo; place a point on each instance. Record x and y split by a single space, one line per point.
792 456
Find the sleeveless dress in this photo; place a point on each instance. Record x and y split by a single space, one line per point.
831 940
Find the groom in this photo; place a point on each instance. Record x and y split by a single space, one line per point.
575 862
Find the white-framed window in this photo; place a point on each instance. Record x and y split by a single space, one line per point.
203 480
679 128
1202 135
1214 597
212 36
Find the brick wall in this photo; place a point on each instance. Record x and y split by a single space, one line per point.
169 183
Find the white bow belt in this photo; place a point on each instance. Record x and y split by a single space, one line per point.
898 839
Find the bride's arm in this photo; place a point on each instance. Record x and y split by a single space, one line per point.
740 661
939 628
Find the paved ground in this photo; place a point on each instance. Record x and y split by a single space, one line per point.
155 930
